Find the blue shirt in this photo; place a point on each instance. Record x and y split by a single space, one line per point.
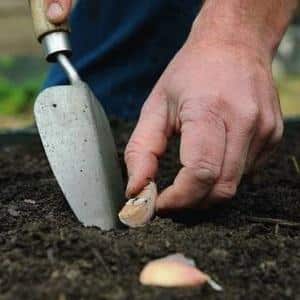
120 48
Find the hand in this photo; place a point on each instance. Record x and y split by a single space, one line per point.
220 97
58 10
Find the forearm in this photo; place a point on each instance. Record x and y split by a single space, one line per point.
252 23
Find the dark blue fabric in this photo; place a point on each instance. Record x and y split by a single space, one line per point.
120 48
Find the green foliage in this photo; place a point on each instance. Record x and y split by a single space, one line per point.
16 99
289 91
7 62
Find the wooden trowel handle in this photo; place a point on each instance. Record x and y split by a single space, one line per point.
41 24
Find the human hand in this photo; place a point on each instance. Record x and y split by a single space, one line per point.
220 97
58 10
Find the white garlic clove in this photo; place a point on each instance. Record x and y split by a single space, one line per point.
140 210
175 271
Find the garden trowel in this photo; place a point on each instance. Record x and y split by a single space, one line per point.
76 134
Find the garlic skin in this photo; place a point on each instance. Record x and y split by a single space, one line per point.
140 210
175 271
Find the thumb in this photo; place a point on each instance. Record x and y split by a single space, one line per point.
147 143
58 10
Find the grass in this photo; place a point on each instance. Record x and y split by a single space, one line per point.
20 81
289 91
17 99
7 62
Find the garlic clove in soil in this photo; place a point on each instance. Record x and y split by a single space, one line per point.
140 210
175 271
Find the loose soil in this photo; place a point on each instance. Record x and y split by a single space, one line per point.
46 254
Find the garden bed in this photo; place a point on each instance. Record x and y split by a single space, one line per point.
46 254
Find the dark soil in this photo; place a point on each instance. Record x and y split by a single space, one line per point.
46 254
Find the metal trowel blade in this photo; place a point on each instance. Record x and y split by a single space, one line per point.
78 142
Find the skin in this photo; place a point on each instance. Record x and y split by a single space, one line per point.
218 93
58 10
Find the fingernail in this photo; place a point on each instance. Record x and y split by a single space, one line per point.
55 10
129 187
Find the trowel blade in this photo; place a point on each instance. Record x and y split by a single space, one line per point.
78 142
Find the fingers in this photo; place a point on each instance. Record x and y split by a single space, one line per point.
269 132
147 143
273 141
239 136
203 140
58 10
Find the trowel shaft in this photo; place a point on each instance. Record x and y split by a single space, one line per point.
68 68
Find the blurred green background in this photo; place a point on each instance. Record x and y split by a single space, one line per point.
20 80
22 68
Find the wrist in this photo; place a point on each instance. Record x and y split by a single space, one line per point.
254 25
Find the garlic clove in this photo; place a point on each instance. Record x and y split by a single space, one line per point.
172 271
175 271
140 210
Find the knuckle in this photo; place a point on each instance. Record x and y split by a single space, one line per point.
214 119
153 102
131 150
268 127
249 117
147 107
206 172
225 191
216 102
251 114
216 106
195 109
279 132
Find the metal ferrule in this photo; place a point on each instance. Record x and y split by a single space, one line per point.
57 48
54 43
